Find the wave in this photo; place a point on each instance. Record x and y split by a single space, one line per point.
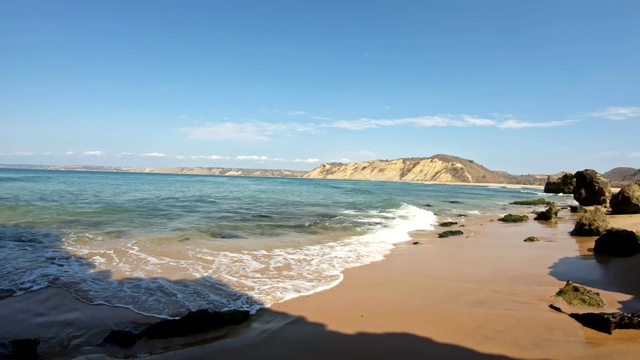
167 278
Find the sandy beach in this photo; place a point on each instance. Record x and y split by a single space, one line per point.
481 295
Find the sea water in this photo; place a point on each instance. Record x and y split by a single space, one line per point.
163 244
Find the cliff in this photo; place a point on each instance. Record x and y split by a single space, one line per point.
437 168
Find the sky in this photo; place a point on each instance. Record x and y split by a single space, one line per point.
528 87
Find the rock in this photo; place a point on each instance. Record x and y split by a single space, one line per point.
531 239
605 322
618 242
548 215
22 349
514 218
561 183
574 294
591 188
193 323
592 223
450 233
578 209
627 200
121 338
415 243
539 201
448 223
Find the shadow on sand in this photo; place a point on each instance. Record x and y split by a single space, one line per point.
267 335
603 272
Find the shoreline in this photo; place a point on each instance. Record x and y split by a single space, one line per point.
481 295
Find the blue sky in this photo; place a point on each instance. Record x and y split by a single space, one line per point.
519 86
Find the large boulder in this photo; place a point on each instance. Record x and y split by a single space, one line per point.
591 188
618 242
560 183
627 200
594 222
574 294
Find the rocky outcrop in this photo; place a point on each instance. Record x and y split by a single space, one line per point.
574 294
618 242
437 168
561 183
605 322
22 349
514 218
594 222
591 188
448 233
550 214
194 322
627 200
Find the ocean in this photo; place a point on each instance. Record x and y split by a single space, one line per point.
162 244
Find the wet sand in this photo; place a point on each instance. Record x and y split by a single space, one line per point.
481 295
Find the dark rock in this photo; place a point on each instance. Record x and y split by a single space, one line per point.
627 200
514 218
22 349
539 201
548 215
193 323
618 242
574 294
561 183
578 209
592 223
591 188
415 243
450 233
448 223
454 202
605 322
531 239
121 338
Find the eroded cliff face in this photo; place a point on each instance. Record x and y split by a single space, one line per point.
438 168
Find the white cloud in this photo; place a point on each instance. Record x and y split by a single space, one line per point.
635 154
296 113
229 131
210 157
258 131
618 113
69 153
308 161
251 157
94 153
517 124
179 157
154 154
17 153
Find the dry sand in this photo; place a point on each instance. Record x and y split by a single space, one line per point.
481 295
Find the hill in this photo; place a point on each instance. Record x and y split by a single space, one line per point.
437 168
621 176
168 170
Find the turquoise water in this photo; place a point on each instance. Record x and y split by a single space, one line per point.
165 244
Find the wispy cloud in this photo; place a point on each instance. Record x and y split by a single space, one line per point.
209 157
94 153
635 154
296 113
618 113
258 131
17 153
251 157
154 154
307 161
515 124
